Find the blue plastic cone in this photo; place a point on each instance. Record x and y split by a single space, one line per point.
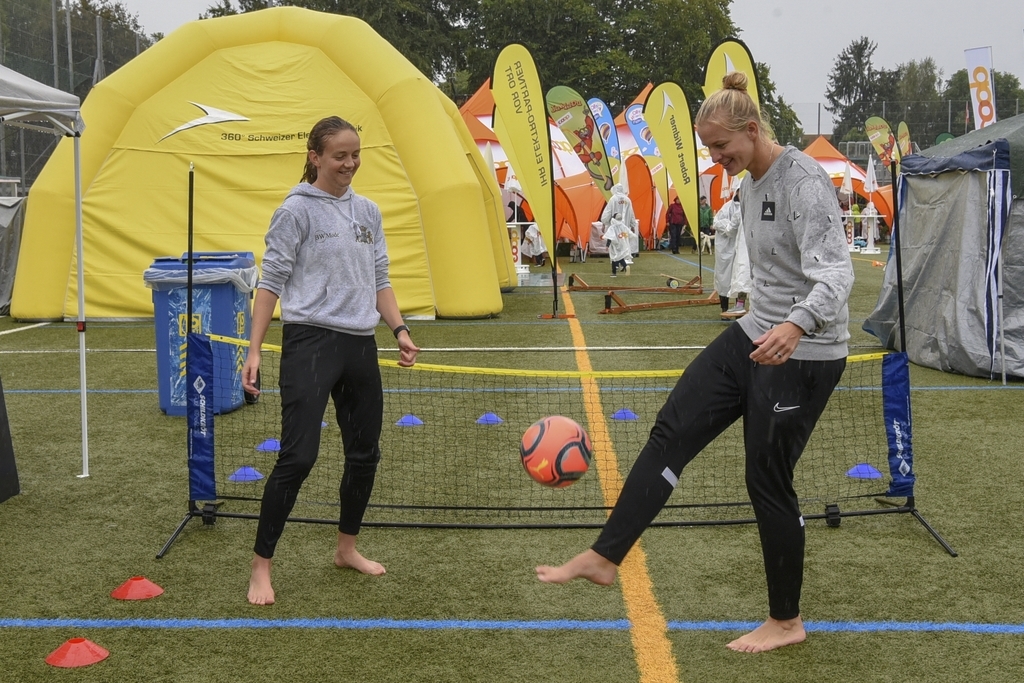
625 414
245 473
409 420
489 419
863 471
269 445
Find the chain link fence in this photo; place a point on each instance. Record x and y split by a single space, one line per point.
71 51
926 120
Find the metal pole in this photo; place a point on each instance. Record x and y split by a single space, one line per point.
3 128
949 117
98 71
56 67
21 143
71 57
81 306
819 118
896 237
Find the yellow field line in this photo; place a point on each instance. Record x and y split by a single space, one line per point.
648 628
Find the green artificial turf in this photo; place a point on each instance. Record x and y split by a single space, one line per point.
66 542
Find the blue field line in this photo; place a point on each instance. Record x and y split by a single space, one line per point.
495 625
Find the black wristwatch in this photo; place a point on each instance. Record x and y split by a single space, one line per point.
399 329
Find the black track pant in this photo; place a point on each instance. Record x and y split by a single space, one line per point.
674 233
780 405
317 364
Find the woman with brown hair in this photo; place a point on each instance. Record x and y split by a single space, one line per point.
327 262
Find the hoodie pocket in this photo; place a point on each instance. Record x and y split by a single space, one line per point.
321 304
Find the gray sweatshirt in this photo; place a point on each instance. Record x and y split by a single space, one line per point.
799 258
326 259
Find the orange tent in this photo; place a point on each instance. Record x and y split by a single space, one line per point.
834 163
642 193
481 103
620 120
578 202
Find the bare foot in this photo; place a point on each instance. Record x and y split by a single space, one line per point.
347 556
770 635
587 565
260 590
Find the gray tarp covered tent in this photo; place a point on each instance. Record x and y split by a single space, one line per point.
12 218
962 239
26 103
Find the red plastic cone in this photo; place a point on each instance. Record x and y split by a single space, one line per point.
136 588
77 652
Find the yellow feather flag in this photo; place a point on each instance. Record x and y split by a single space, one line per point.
880 134
523 132
668 116
903 139
730 55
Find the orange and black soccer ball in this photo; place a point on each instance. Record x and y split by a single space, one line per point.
555 451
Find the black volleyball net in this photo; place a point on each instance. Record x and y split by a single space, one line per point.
450 448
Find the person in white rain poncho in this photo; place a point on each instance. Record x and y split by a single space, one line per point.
732 262
617 236
533 245
621 204
869 220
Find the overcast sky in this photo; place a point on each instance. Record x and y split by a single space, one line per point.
800 39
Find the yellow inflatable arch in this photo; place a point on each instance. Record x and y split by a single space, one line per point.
235 96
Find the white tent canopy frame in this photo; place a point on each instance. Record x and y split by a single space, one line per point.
27 103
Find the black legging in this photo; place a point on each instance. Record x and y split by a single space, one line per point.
674 232
317 364
780 405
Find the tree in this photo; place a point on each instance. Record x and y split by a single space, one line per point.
430 33
783 119
28 48
856 87
609 49
602 48
918 100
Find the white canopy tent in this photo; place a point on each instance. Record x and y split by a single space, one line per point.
26 103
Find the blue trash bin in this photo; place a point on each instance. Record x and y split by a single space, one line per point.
222 286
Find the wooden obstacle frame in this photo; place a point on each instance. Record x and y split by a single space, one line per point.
672 286
613 303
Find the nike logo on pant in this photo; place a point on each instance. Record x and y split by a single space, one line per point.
782 409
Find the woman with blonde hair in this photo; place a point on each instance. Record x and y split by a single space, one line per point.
775 368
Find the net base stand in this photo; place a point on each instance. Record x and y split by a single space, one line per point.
208 514
906 507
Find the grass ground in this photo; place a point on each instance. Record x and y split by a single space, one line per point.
884 601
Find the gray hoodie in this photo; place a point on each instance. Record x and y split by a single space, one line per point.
799 259
326 259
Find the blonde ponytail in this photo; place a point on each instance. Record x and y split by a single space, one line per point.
732 107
